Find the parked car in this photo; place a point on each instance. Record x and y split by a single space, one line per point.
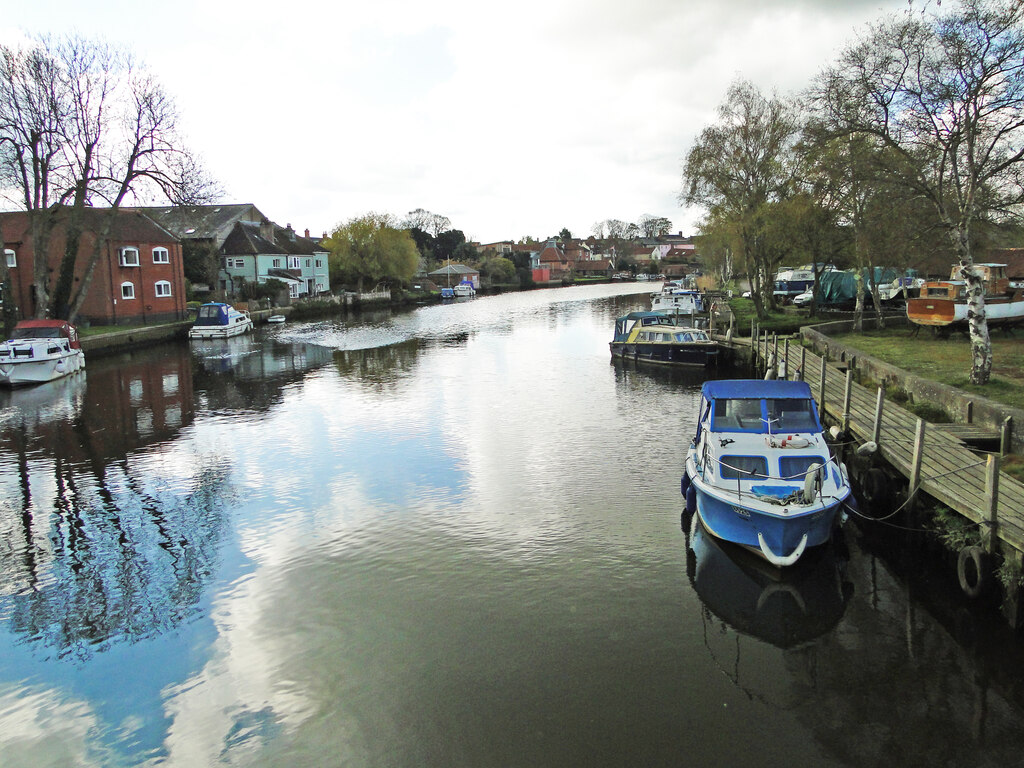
803 299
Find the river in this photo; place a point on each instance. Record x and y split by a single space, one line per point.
442 537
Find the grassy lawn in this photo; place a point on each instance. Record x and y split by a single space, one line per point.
948 360
776 322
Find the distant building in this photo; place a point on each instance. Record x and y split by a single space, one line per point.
453 274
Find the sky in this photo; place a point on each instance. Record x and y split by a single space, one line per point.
513 120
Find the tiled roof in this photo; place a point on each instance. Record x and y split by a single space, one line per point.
203 222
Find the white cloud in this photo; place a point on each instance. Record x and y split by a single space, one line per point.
511 120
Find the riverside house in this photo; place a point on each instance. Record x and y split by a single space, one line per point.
138 279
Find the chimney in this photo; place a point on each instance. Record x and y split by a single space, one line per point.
307 233
267 230
289 232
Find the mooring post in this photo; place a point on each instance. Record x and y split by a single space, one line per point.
785 358
876 431
821 388
1006 436
1012 603
970 411
915 465
991 535
846 399
803 361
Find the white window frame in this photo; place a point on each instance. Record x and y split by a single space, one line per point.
319 263
309 263
163 289
277 263
293 262
161 256
129 257
293 290
11 257
127 290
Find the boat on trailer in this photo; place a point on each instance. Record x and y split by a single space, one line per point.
654 337
40 351
759 472
219 321
942 304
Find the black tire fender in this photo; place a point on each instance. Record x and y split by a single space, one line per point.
972 571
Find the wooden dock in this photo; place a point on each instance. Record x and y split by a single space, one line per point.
933 459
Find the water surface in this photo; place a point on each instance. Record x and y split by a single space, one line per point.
444 537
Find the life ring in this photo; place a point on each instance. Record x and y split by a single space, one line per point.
875 490
972 571
812 483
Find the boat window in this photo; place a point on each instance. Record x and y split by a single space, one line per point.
743 467
36 333
792 415
737 415
943 291
795 467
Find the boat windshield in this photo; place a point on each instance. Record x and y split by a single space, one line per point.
792 415
36 333
774 415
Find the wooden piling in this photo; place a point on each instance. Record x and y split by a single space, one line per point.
876 430
846 399
785 358
1006 436
915 463
821 387
803 361
990 535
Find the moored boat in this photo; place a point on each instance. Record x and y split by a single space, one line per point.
759 472
464 289
219 321
677 299
942 304
657 338
40 351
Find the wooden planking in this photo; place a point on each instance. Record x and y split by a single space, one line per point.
950 472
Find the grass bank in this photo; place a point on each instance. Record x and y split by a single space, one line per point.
947 361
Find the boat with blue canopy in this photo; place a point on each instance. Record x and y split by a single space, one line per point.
759 471
217 320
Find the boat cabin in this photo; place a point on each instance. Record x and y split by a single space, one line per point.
643 322
758 407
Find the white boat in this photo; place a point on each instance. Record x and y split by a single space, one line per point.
655 338
219 321
39 351
759 472
677 299
464 289
275 319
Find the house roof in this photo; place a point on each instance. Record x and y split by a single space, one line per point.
454 269
250 239
203 222
129 226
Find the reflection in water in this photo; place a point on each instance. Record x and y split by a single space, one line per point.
786 609
444 537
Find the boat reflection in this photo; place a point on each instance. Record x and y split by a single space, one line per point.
786 609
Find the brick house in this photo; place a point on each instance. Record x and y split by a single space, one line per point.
138 279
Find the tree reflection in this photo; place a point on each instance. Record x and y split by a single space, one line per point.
379 366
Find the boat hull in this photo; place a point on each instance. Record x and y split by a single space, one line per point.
951 313
779 534
39 371
219 332
702 354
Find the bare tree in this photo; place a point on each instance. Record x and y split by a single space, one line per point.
83 125
943 93
653 226
431 223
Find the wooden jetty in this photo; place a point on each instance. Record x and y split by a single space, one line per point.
933 459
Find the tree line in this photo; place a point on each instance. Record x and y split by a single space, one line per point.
907 145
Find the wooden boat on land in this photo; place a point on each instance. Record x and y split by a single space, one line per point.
759 472
40 351
942 304
219 321
655 337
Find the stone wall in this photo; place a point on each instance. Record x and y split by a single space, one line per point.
987 413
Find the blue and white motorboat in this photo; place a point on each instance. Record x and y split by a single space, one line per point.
464 289
219 321
759 472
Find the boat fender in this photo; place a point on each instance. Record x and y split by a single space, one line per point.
812 483
789 441
691 498
972 571
684 483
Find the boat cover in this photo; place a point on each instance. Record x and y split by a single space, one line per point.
740 389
